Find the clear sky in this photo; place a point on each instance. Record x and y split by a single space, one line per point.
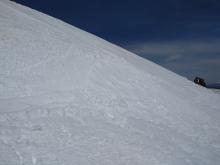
181 35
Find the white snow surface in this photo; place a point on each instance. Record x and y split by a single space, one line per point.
68 97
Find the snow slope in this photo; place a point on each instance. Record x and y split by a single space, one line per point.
68 97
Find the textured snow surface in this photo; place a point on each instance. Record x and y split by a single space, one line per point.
70 98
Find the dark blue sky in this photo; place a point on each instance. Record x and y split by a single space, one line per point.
181 35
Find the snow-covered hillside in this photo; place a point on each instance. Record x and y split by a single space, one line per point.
68 97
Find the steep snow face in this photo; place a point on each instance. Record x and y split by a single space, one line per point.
69 97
